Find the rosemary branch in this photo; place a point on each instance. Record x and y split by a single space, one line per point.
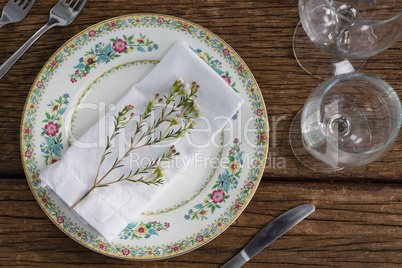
178 108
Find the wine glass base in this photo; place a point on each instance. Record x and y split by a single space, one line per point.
302 154
318 63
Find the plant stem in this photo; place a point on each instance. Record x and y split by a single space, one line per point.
184 105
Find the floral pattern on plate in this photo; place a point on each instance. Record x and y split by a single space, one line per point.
104 53
217 66
52 146
143 230
226 181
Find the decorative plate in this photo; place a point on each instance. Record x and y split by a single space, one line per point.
93 70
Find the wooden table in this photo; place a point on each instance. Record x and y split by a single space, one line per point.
358 220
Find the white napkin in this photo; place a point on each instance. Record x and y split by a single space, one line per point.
110 209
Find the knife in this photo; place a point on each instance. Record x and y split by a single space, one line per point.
270 233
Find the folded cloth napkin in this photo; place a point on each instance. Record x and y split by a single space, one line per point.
110 209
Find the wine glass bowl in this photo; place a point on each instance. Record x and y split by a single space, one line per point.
345 29
347 121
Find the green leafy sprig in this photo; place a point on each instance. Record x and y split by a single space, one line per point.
178 108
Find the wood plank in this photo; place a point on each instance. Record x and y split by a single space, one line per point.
355 224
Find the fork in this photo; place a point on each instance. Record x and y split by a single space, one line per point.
15 11
62 14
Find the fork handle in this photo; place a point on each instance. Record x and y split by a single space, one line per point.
13 59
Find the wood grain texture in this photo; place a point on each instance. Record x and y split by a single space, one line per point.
354 224
359 212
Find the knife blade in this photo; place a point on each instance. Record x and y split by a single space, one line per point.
270 233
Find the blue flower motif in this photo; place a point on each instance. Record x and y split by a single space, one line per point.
147 236
66 95
156 46
234 117
186 217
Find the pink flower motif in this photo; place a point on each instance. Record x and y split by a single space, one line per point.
185 26
27 131
51 129
141 230
102 246
176 248
233 166
39 84
217 196
250 185
53 63
167 225
240 68
161 20
225 52
28 153
92 33
261 137
76 72
60 219
227 80
200 238
237 206
236 140
90 61
44 200
125 251
113 24
258 112
120 45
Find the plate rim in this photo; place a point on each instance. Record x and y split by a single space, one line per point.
258 176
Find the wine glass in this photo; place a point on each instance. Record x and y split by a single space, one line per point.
348 121
336 37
